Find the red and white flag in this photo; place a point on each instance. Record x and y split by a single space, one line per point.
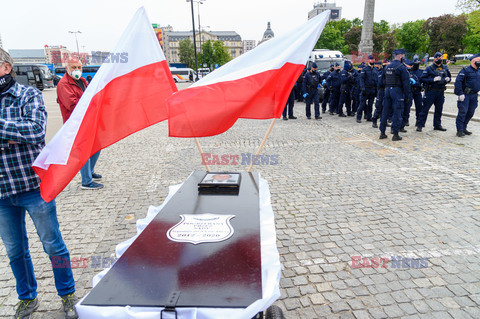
255 85
125 96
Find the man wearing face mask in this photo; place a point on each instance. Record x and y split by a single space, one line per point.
356 89
347 78
435 78
310 88
23 124
380 93
326 94
368 87
467 86
69 91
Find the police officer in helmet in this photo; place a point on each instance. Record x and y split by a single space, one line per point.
397 89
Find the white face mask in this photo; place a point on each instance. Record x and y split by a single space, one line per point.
76 74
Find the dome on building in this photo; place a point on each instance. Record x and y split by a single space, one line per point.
268 34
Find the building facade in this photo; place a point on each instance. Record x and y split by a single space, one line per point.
248 45
319 7
28 55
171 42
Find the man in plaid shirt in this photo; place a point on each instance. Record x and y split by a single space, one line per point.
23 123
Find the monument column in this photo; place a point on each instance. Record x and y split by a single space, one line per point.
366 44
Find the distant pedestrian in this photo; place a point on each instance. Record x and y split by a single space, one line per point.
22 128
467 86
425 59
69 91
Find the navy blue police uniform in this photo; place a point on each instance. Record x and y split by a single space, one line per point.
347 82
380 95
310 87
368 87
356 89
326 94
414 81
397 88
334 84
289 106
417 90
434 78
467 84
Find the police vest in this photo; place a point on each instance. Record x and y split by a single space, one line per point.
392 78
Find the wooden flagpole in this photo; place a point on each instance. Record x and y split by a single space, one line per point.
263 143
201 154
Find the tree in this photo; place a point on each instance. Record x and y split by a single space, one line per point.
468 5
446 33
220 54
384 44
381 27
412 37
352 39
332 38
471 41
186 53
206 57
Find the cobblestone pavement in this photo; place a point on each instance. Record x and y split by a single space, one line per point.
337 192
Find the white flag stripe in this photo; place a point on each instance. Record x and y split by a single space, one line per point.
138 36
260 59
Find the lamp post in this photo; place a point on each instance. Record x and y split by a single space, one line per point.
194 41
75 32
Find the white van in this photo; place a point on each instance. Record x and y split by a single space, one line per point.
183 74
323 58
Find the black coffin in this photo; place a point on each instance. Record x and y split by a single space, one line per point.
224 274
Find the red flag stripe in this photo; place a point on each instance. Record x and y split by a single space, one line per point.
259 96
124 106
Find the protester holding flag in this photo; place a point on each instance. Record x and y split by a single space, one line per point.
69 91
22 136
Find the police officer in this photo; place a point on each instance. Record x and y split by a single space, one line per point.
334 84
417 89
347 78
310 91
435 78
298 86
414 81
397 89
467 86
326 94
380 93
356 89
368 86
289 106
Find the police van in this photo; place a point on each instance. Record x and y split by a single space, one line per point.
324 58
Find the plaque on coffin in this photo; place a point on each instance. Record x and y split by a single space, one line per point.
225 273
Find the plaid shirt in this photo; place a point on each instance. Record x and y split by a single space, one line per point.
23 119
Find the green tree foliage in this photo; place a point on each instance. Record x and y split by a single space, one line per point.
352 38
332 38
381 27
206 57
472 40
412 37
446 33
220 54
186 54
384 44
468 5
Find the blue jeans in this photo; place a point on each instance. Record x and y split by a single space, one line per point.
14 235
89 168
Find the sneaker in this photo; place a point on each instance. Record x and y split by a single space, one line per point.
25 308
92 185
383 135
359 121
461 133
96 177
419 129
68 302
285 118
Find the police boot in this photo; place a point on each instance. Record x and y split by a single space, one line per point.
374 123
396 137
383 135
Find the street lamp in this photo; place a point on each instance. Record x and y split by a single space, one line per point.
75 32
194 41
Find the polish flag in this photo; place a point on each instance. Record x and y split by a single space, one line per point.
127 94
255 85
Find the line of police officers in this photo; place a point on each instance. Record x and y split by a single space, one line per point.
395 86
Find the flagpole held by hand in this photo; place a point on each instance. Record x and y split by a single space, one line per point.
263 143
201 153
